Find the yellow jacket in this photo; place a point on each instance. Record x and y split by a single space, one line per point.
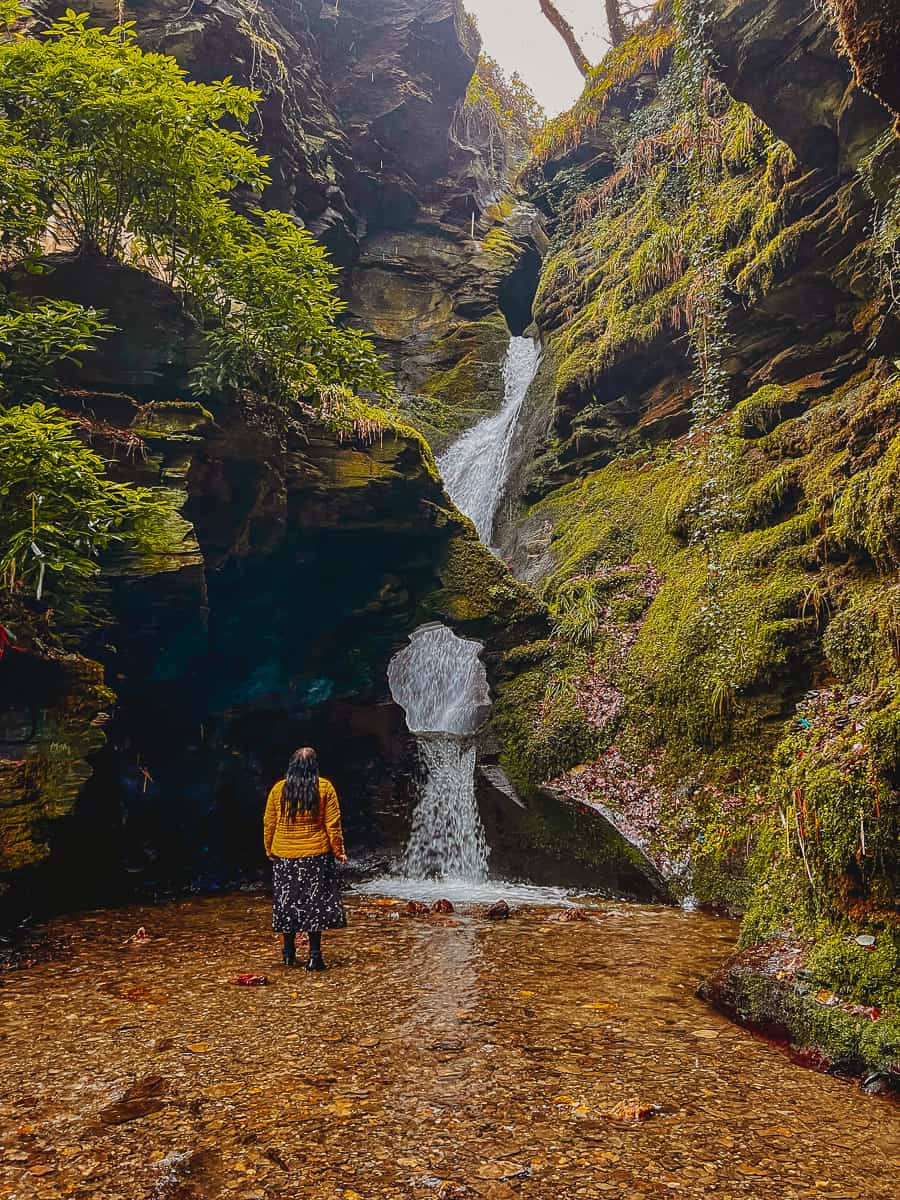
313 833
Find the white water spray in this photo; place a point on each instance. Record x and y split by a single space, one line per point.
439 679
440 682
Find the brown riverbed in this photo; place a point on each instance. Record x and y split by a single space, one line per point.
452 1059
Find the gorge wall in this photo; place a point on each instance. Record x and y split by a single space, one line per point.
300 558
699 638
712 519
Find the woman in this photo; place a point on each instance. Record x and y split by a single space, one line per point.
303 837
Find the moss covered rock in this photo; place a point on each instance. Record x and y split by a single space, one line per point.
52 714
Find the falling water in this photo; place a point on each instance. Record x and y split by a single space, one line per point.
441 684
447 839
475 467
439 678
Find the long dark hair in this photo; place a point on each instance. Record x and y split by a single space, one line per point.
300 794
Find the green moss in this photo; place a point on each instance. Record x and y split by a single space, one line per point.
171 417
828 855
465 383
867 975
541 740
867 512
644 48
478 591
879 1043
628 272
759 992
385 433
862 641
760 412
883 733
43 782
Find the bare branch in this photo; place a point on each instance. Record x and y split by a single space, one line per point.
567 33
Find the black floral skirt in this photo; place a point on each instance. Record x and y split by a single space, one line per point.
306 894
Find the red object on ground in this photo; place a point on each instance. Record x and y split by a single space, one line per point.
250 980
442 906
7 643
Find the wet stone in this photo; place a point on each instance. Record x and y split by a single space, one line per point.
138 1100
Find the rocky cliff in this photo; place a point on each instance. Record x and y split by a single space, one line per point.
705 494
299 557
296 564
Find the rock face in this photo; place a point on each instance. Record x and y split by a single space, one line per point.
790 74
870 30
264 618
701 688
53 708
361 117
298 563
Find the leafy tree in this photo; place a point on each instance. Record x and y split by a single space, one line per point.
37 338
119 142
267 290
58 509
118 153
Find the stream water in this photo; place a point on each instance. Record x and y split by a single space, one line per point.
440 1058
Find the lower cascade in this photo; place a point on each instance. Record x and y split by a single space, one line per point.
439 679
447 839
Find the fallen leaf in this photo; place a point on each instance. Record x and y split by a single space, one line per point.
219 1091
200 1048
704 1033
631 1110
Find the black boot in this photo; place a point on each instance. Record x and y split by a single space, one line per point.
316 961
289 953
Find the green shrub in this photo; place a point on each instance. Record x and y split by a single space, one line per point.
58 509
36 338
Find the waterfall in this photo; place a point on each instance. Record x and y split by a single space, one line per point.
475 467
447 839
441 684
439 679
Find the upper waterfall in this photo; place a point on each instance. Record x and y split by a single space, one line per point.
475 466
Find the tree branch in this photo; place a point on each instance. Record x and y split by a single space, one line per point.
615 22
567 33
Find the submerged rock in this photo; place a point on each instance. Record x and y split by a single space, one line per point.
139 1099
